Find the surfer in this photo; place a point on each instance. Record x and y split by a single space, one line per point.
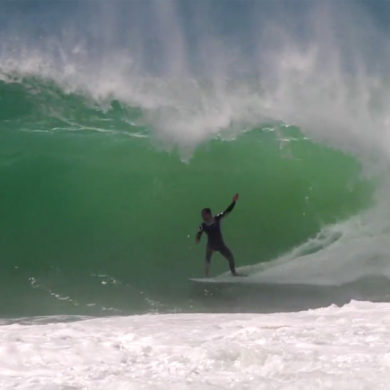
211 225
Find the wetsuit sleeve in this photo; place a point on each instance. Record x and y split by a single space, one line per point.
227 211
200 231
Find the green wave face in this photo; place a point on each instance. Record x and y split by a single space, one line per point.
97 218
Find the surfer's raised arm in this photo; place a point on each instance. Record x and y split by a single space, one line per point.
230 207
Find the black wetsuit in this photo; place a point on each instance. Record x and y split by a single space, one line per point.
215 241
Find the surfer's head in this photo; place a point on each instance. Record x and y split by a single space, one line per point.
206 214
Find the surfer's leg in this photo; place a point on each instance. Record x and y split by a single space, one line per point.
228 255
209 253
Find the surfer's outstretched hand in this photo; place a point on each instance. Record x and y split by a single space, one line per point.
235 198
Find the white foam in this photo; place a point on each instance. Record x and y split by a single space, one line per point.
343 348
341 253
335 95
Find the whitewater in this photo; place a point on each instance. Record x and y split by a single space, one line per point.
120 121
324 348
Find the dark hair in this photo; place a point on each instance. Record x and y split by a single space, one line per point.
206 210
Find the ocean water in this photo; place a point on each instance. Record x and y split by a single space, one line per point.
120 121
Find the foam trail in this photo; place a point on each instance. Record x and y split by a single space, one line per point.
339 254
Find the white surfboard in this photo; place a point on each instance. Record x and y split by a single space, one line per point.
219 280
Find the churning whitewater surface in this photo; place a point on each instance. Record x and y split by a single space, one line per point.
327 348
